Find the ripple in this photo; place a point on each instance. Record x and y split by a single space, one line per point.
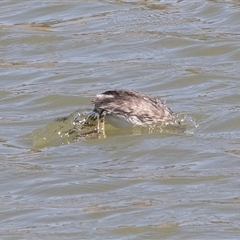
175 182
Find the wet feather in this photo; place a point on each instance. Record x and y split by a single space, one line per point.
128 107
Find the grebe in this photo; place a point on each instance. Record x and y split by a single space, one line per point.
126 107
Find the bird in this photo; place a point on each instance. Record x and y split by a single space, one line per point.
124 108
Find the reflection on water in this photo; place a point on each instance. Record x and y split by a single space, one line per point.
137 183
58 132
78 126
64 130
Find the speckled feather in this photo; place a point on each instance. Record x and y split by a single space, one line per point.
131 107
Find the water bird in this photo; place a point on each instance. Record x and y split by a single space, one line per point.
123 108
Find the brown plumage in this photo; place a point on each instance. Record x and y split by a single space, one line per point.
127 107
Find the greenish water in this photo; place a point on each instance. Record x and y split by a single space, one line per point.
55 56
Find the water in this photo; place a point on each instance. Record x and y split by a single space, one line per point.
56 56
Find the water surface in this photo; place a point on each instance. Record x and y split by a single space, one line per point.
56 56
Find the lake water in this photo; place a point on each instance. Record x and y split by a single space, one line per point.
55 56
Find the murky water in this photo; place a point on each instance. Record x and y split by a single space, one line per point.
55 56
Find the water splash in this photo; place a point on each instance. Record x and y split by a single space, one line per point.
63 130
184 125
188 122
79 126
